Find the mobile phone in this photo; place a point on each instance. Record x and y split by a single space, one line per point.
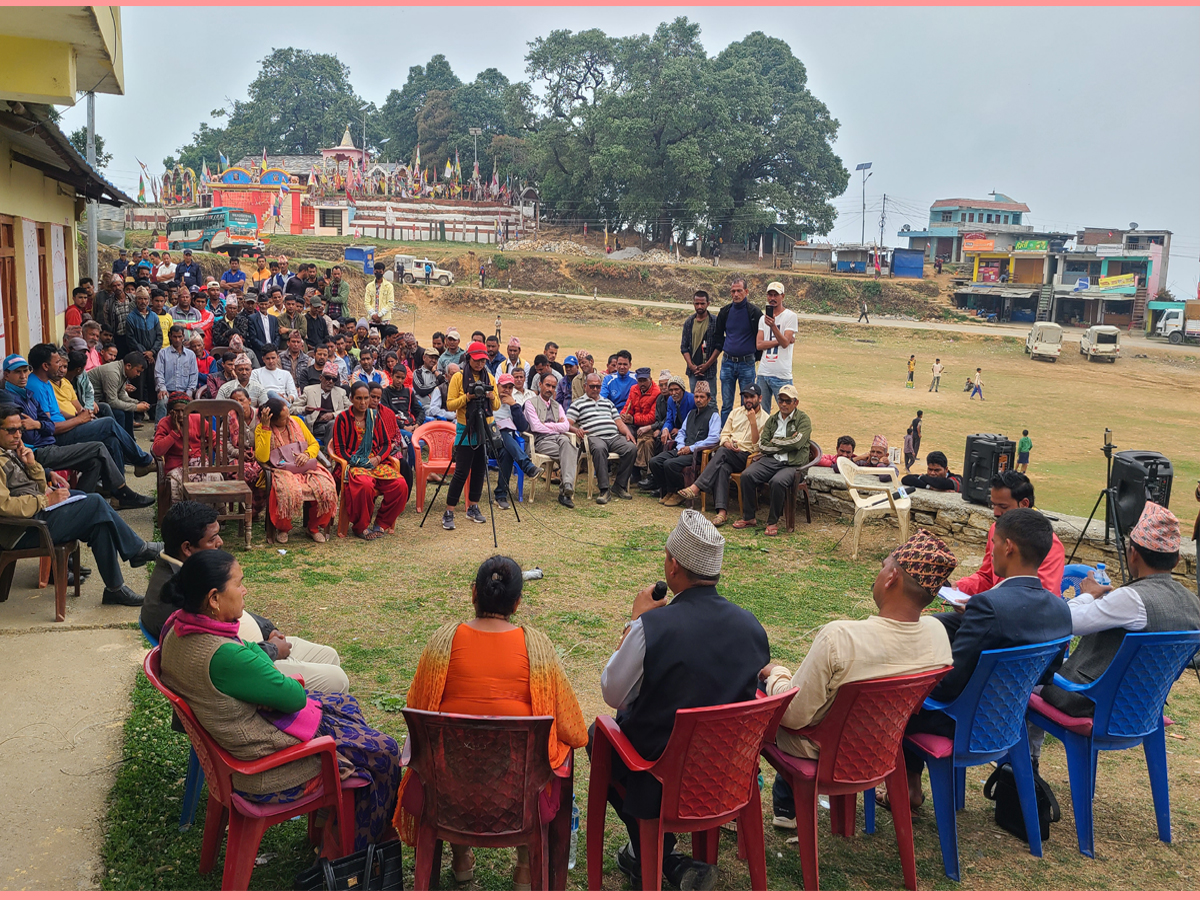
328 273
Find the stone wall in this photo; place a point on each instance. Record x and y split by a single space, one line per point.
950 514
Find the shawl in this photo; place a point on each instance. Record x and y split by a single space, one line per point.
549 691
361 457
186 623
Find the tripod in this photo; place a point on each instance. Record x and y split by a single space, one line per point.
1108 497
476 427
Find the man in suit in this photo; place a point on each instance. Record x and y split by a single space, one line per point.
1017 611
255 326
697 650
322 403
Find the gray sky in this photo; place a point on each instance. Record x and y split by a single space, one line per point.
1089 116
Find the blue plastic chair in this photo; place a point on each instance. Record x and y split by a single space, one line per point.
1073 575
1129 700
989 718
195 775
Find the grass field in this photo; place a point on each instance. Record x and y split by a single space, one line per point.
378 604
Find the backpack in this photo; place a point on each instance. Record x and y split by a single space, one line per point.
1001 786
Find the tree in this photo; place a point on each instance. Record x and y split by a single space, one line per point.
206 144
398 115
78 139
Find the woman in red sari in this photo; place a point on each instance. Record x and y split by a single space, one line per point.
361 440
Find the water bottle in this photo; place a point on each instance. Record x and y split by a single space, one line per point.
574 832
1100 576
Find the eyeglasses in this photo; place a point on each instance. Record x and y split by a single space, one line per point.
16 430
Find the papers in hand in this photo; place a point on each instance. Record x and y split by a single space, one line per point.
71 499
953 596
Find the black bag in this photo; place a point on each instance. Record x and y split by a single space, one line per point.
378 868
1001 786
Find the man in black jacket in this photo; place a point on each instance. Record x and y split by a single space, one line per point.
737 338
698 345
697 650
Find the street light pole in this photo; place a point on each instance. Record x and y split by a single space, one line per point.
862 167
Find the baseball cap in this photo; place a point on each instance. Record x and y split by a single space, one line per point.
789 391
776 286
215 284
752 389
129 279
506 379
15 361
571 361
643 372
475 350
432 351
452 334
187 252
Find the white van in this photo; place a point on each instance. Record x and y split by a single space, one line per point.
1044 340
1101 342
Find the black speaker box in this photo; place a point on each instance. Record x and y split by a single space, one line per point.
987 455
1138 476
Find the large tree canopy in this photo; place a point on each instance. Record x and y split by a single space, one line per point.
647 129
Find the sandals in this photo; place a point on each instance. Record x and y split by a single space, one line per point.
720 519
369 535
464 875
883 800
317 536
745 523
772 531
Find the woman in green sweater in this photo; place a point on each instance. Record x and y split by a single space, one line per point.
252 709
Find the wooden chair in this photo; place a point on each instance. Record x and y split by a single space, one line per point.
58 554
799 488
216 442
162 490
546 462
860 481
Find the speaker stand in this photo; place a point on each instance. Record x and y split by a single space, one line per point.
1111 524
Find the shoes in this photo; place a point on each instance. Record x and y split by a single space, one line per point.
149 552
535 472
672 499
142 471
475 514
603 498
502 503
131 499
697 876
564 497
281 537
317 536
448 520
622 494
680 871
122 596
785 822
628 865
646 484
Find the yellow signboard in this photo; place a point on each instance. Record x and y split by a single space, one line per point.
977 245
1115 282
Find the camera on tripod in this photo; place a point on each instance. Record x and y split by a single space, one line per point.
479 390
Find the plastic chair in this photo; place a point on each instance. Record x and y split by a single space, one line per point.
1073 576
709 776
860 739
1129 700
546 462
486 781
989 718
859 481
438 439
585 464
195 775
248 821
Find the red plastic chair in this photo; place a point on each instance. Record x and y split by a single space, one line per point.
438 438
709 774
248 821
486 781
860 740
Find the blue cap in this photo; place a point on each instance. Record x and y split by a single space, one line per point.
15 361
570 361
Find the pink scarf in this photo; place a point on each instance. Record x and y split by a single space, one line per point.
186 623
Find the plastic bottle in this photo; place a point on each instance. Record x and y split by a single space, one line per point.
1100 575
574 832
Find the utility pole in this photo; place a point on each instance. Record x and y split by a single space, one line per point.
93 208
862 167
882 218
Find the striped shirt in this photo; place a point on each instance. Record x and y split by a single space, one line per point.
596 417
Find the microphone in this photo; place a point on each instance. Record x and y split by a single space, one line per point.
660 591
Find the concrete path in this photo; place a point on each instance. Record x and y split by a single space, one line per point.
62 712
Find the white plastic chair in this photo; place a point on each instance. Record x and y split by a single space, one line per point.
895 457
546 462
585 462
878 499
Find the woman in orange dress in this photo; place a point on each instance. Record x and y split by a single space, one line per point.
491 667
359 437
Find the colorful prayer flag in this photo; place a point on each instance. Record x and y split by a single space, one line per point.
141 190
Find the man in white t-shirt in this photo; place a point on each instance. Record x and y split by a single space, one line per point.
937 370
776 337
274 378
166 269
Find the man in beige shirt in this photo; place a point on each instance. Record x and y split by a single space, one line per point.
897 641
737 448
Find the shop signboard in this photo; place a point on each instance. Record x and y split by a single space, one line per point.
1031 246
978 245
1109 250
1117 282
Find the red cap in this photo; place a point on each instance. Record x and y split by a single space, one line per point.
476 350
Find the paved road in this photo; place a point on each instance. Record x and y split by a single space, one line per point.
1131 342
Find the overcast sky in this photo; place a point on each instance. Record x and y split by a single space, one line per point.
1089 116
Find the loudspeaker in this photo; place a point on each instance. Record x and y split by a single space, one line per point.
987 455
1138 476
